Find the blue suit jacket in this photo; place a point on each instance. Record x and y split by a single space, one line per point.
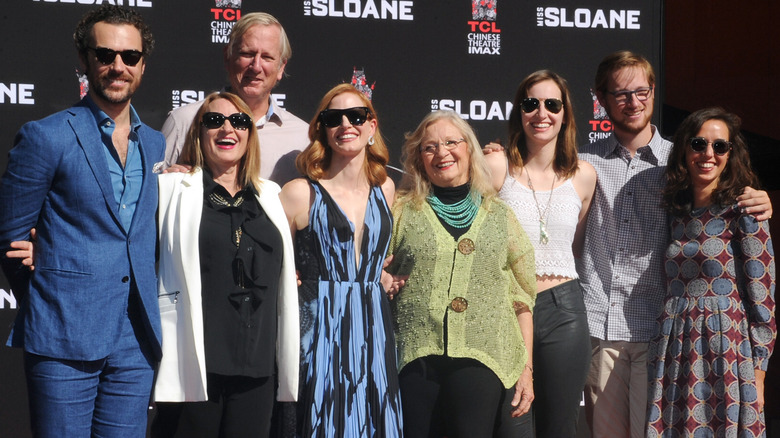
86 265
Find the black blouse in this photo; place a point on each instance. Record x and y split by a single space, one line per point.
240 264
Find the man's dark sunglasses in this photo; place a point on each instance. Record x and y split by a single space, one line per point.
107 56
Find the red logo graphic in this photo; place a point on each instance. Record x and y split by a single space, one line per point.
483 10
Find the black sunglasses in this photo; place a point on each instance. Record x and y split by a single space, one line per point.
216 120
356 116
531 104
107 56
719 146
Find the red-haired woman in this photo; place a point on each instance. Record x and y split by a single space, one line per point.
340 219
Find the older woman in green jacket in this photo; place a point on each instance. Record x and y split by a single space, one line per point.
463 319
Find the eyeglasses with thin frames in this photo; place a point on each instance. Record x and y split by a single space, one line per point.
432 148
642 94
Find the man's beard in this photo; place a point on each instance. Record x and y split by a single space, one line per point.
96 84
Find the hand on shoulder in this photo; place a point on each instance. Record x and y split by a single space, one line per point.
497 163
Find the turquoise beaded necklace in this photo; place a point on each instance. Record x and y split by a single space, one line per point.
458 215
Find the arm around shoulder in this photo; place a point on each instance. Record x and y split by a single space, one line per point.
756 202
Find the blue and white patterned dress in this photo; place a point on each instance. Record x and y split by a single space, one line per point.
350 381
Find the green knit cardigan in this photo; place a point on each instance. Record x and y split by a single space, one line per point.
499 272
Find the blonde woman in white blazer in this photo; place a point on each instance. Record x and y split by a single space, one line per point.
222 149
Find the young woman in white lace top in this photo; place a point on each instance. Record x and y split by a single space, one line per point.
550 190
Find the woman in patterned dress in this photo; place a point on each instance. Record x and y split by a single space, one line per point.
340 219
717 327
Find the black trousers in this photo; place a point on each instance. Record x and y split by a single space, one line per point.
238 407
457 398
561 359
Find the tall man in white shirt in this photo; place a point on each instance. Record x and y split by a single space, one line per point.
621 269
255 57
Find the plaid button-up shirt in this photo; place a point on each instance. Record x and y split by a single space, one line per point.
621 269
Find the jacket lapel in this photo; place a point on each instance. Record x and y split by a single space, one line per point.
188 217
85 128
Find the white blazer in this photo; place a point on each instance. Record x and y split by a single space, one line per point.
182 373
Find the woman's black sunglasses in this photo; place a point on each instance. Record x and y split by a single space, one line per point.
719 146
531 104
356 116
216 120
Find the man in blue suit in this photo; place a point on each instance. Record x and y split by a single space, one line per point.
88 321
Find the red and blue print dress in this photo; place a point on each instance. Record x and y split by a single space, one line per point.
717 327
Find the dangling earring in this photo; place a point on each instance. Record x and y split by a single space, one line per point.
371 141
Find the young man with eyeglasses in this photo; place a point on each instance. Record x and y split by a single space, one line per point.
255 58
89 321
623 274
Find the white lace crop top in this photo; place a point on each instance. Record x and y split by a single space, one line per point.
555 258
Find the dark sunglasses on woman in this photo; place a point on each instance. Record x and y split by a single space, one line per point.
239 121
719 146
356 116
531 104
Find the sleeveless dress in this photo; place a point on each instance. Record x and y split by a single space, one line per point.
348 355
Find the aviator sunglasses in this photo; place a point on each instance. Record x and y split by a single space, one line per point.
719 146
356 116
239 121
531 104
107 56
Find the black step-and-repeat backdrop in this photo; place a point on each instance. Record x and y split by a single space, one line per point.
413 56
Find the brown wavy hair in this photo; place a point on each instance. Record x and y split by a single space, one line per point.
565 161
738 174
192 152
314 161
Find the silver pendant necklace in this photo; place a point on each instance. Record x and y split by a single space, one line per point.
543 236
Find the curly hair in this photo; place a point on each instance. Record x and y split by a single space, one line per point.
416 186
192 152
314 161
565 161
112 15
678 193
